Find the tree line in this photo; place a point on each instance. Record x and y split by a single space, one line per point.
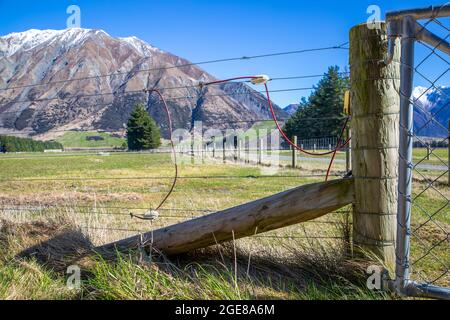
321 115
142 134
15 144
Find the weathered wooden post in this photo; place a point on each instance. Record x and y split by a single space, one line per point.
375 134
294 154
214 147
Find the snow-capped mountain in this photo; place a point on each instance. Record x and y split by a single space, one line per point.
428 104
55 79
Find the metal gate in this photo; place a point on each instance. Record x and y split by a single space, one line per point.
422 247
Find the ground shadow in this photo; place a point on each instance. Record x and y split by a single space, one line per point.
56 246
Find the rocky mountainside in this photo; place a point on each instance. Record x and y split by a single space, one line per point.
90 100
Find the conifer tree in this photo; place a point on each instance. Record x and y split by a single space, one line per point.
326 101
142 131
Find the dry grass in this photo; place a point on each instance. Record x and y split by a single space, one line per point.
73 216
240 270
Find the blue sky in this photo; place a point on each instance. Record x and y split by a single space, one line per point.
207 29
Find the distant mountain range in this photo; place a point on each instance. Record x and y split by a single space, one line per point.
431 111
429 105
56 60
292 108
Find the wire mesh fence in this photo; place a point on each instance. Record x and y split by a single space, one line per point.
423 247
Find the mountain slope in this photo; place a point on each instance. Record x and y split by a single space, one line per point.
292 108
51 57
431 104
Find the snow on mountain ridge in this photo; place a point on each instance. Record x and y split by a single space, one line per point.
28 40
420 95
141 46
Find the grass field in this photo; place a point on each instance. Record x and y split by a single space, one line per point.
74 139
439 156
73 201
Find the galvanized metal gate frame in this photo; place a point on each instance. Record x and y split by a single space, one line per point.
404 25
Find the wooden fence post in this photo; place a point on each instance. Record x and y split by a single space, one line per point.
294 154
375 134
